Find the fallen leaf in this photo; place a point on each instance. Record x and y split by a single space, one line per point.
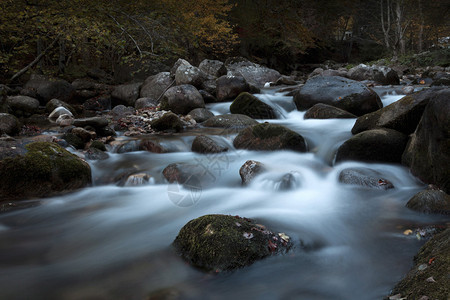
407 232
431 260
431 279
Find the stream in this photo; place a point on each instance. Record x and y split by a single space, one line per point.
113 241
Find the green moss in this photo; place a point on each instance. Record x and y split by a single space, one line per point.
98 145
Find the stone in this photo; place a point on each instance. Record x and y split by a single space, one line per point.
340 92
214 68
55 103
96 122
249 105
74 140
96 154
182 99
269 137
230 121
207 97
380 74
365 178
200 114
204 144
84 134
154 86
249 170
126 94
45 169
324 111
229 87
188 74
22 105
430 201
145 102
215 243
57 112
168 121
9 124
254 74
376 145
64 120
45 88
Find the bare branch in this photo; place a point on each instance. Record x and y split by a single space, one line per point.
129 35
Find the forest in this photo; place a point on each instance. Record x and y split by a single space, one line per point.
65 38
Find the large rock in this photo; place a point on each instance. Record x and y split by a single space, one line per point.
229 121
126 94
200 114
346 94
428 278
229 87
41 169
324 111
214 68
220 243
44 89
364 177
269 137
182 99
432 201
377 145
428 150
188 74
55 103
380 74
402 115
145 102
204 144
154 86
9 124
249 105
255 74
168 121
249 170
22 105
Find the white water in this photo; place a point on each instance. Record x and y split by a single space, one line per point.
110 242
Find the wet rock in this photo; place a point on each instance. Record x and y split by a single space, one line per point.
59 111
204 144
154 86
145 102
221 243
182 99
64 120
229 87
192 176
249 105
343 93
96 154
44 89
324 111
121 111
152 146
430 201
214 68
402 115
285 80
126 94
98 145
249 170
74 140
168 121
44 169
380 74
84 134
288 182
22 105
435 254
377 145
9 124
55 103
254 74
441 79
229 121
428 150
137 179
188 74
269 137
207 97
365 178
200 114
96 122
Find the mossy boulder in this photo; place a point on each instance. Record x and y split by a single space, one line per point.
41 169
220 242
377 145
168 121
249 105
429 276
324 111
229 121
269 137
432 201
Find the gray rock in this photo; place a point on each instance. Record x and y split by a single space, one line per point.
96 122
154 86
188 74
57 112
200 114
44 89
168 121
214 68
229 87
22 105
380 74
430 201
249 105
204 144
229 121
9 124
54 103
182 99
254 74
324 111
145 102
126 94
364 177
249 170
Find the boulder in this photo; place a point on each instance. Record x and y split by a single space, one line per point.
428 278
376 145
229 87
126 94
324 111
83 134
216 243
249 105
430 201
441 79
182 99
207 97
380 74
402 115
22 105
200 114
121 111
73 140
214 68
9 124
154 86
192 176
269 137
249 170
55 103
145 102
210 87
96 122
43 170
229 121
44 89
96 154
343 93
428 150
188 74
254 74
364 177
98 145
204 144
287 182
168 121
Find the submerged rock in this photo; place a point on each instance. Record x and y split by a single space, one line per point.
41 169
249 105
365 178
221 243
432 201
267 136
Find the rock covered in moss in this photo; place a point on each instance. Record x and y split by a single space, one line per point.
221 242
431 200
267 136
168 121
249 105
41 169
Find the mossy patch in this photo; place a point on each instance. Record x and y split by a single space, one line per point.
220 242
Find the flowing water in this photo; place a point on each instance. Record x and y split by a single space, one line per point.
113 241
